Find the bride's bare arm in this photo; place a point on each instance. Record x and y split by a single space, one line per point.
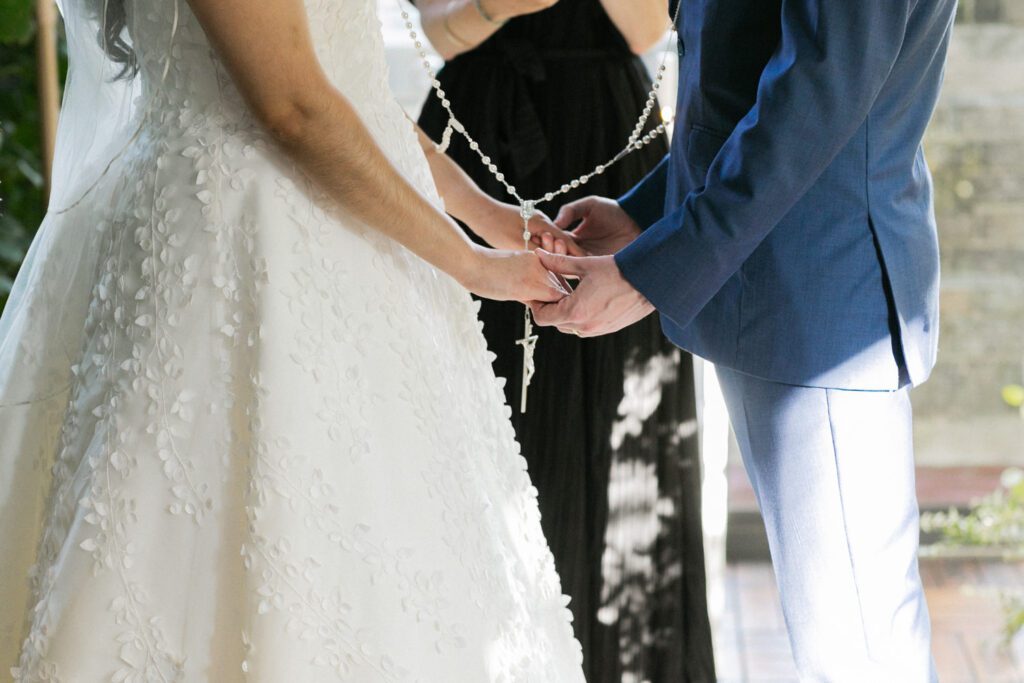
267 48
498 223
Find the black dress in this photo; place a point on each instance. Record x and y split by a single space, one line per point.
610 434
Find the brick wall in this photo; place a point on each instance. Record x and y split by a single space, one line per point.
975 147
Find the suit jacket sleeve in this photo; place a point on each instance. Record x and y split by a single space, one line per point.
645 203
815 92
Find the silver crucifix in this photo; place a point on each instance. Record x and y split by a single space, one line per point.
529 341
529 344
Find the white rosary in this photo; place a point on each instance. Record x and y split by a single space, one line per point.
528 207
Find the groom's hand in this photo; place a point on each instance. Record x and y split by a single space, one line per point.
604 302
604 228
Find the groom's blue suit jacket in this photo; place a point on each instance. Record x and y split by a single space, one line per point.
790 233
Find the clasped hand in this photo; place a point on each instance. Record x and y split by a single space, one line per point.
603 301
505 275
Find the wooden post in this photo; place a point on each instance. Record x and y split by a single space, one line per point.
48 83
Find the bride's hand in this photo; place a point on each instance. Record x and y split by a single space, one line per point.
512 276
551 238
501 226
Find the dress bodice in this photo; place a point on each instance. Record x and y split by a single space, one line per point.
190 96
346 35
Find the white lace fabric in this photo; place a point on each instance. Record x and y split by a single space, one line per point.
279 451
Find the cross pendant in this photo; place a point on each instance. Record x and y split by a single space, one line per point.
529 341
529 344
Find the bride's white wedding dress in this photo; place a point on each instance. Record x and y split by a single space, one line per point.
276 450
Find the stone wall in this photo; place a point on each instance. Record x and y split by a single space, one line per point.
975 146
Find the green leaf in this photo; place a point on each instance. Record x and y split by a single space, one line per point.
1014 607
17 23
1013 395
30 173
11 253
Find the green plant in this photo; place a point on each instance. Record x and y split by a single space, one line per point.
994 526
995 522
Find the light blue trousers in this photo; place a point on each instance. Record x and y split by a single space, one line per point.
833 471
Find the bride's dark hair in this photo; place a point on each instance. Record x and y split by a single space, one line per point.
113 19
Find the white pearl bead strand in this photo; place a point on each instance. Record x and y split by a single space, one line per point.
637 138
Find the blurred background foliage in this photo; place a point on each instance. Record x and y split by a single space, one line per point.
993 527
22 202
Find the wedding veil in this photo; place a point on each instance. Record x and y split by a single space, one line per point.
42 330
104 110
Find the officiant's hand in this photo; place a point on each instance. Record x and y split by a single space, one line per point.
511 276
604 228
602 303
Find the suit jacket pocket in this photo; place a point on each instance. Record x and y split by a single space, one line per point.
702 146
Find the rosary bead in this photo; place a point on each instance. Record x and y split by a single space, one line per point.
527 207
